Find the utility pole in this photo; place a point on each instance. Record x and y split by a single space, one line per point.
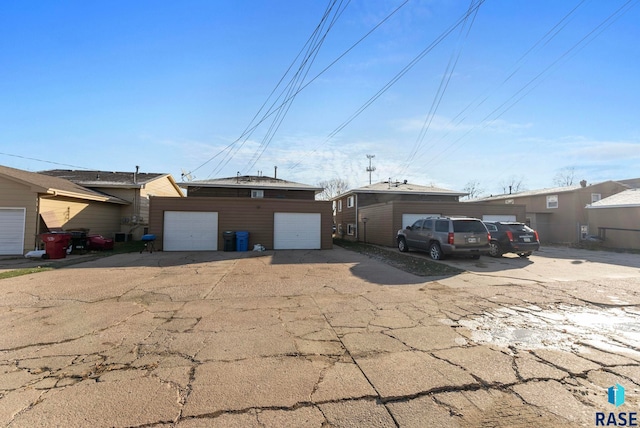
370 169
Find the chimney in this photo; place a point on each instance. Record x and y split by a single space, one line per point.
135 176
275 172
405 181
583 183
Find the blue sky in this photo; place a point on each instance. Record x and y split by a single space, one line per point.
519 89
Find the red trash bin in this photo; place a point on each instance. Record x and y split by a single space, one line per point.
55 244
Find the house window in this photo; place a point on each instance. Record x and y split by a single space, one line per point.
350 201
340 205
351 229
595 197
552 201
257 193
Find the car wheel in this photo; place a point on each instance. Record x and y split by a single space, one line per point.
524 255
494 249
435 251
402 245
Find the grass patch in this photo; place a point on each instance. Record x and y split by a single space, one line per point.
416 265
26 271
47 264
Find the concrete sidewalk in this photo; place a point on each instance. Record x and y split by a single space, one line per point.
297 338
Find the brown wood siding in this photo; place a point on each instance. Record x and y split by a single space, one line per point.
387 218
255 216
220 192
617 217
379 225
16 195
562 224
344 218
366 199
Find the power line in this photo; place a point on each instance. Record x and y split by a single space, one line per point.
45 161
537 80
274 110
397 77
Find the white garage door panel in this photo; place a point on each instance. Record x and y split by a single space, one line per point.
409 219
499 217
12 230
190 231
296 231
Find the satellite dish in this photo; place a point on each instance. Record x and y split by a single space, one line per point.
186 175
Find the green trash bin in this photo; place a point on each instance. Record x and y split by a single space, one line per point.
229 237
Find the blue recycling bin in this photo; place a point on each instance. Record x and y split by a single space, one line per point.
242 241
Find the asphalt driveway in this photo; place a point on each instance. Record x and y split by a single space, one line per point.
318 338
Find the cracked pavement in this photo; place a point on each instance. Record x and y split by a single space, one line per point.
319 338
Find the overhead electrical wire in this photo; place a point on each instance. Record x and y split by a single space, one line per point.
444 83
294 87
272 111
396 78
254 123
537 80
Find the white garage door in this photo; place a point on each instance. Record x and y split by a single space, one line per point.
409 219
296 231
12 230
190 231
497 217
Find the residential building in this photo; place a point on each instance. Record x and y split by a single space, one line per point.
134 187
558 214
375 213
32 204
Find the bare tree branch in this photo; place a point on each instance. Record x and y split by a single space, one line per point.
473 189
565 177
332 188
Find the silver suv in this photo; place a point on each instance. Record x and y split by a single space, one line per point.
443 236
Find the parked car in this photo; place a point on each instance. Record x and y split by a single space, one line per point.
99 242
512 237
443 236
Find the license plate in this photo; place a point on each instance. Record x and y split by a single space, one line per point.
472 240
526 239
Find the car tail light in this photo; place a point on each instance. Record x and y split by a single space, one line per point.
488 237
450 238
535 234
509 235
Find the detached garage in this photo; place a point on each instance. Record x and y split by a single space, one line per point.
198 223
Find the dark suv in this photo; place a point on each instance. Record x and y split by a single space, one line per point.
442 236
512 237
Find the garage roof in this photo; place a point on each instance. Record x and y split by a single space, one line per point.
626 198
251 182
55 186
404 187
104 178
